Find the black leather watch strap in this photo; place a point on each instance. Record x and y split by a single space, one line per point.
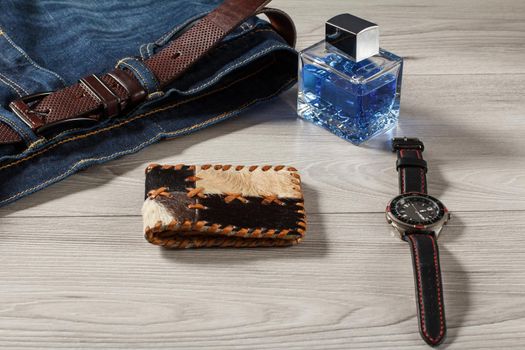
429 290
410 165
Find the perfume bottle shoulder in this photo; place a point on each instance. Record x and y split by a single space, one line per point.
390 56
329 58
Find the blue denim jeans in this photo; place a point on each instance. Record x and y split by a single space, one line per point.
46 45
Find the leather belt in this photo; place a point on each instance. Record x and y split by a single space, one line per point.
95 98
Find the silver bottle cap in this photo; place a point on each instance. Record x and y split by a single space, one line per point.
355 36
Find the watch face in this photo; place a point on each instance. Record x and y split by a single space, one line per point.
417 209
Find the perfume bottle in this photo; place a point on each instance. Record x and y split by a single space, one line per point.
347 84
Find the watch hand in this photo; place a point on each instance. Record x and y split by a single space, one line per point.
417 212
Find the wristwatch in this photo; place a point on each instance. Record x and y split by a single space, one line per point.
418 218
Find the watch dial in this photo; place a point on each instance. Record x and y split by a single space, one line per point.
417 209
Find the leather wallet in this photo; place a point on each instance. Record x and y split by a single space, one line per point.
190 206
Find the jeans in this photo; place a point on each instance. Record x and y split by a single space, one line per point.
46 45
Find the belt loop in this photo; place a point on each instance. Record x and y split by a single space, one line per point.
141 72
111 102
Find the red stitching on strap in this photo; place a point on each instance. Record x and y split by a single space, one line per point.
420 291
403 174
422 172
438 286
419 287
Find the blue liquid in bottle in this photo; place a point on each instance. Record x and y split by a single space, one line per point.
354 100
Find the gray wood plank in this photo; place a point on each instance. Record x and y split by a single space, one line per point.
472 126
445 37
76 272
95 283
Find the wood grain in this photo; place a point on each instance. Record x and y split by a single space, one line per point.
348 286
475 150
77 273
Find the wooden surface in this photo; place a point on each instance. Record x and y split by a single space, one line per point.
77 273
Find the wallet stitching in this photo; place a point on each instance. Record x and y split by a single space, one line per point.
228 231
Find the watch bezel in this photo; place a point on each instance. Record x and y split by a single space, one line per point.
403 227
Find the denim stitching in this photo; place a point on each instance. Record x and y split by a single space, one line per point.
123 60
137 148
33 63
221 74
225 44
189 100
141 48
161 128
246 26
163 39
228 70
231 68
15 127
150 51
145 83
67 132
147 50
141 77
155 95
36 142
124 122
13 85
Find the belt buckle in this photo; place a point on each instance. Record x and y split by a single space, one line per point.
34 119
22 108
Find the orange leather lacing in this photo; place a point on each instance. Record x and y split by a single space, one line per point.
230 197
192 192
162 191
272 199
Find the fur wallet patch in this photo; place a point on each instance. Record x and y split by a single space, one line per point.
223 206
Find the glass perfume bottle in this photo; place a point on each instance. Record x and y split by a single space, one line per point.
347 84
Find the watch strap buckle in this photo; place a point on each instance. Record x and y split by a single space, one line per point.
399 143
